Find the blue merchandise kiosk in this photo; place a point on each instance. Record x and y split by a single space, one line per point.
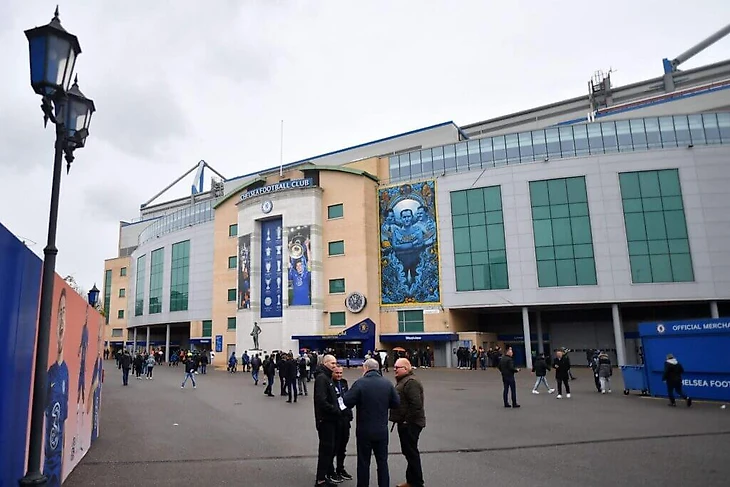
701 346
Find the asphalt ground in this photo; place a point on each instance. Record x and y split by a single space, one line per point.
226 432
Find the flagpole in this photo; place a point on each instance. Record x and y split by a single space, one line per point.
281 151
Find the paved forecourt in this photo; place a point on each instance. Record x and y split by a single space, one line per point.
226 431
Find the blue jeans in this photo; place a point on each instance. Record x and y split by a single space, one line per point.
255 375
189 375
125 376
541 380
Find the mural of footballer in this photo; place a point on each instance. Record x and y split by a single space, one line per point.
96 380
56 404
81 390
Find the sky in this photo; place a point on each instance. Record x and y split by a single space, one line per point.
178 81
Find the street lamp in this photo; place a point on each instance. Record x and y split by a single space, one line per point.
53 53
93 296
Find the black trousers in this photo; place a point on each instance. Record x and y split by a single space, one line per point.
327 431
342 437
409 434
282 383
508 384
365 449
597 380
291 387
561 381
675 387
269 385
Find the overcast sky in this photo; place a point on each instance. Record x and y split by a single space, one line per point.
179 81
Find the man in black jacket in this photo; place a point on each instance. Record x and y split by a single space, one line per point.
508 370
673 371
374 396
125 363
342 436
410 418
289 368
269 371
327 411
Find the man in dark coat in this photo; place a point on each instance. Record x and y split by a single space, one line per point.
508 370
673 371
269 372
125 363
374 396
411 419
327 412
290 377
342 436
561 364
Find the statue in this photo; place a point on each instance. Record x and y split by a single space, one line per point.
255 334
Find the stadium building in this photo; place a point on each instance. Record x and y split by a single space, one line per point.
560 226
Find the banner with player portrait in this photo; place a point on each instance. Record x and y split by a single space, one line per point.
299 266
409 257
244 271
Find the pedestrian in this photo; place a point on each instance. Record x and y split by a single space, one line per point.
673 371
410 417
374 396
255 366
327 411
508 370
540 368
594 367
269 371
204 362
138 364
290 370
232 363
302 370
342 434
125 363
189 371
150 365
605 371
561 364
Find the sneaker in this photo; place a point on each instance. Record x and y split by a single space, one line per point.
195 387
550 391
182 387
333 479
609 391
516 406
535 392
603 392
343 474
568 395
507 406
559 396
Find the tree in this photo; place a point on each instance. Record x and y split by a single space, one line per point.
71 281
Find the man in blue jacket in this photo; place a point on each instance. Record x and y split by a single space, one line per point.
373 396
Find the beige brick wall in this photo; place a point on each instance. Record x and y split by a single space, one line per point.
117 303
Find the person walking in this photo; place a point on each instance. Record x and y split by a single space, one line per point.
508 370
150 365
269 372
302 365
255 366
410 417
342 435
373 396
327 411
125 363
189 372
290 370
561 364
673 371
605 371
540 368
594 367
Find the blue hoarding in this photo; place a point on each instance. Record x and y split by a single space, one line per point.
271 268
701 346
218 343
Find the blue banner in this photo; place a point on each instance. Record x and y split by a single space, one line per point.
218 343
271 268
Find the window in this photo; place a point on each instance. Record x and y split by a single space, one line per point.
232 294
120 314
410 321
233 230
208 328
656 230
107 293
123 272
139 291
231 323
337 318
157 262
179 276
337 247
562 231
337 286
117 332
335 211
122 292
232 262
480 255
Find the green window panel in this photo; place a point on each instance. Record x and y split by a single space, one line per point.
656 227
231 323
233 230
120 314
338 319
480 257
337 286
335 211
232 262
179 276
336 248
562 231
232 294
139 290
123 272
108 292
410 321
207 328
122 292
157 262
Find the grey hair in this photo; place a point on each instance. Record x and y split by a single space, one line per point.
371 364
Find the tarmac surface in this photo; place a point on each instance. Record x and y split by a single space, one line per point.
226 432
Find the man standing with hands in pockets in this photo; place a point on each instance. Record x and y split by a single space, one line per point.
508 370
410 418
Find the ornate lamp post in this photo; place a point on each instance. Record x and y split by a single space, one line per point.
93 296
53 53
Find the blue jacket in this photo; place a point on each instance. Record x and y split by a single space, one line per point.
373 396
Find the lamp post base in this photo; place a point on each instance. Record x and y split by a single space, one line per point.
35 479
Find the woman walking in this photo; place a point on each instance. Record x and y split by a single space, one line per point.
540 369
150 365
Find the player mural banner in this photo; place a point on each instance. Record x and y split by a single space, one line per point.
75 372
300 255
271 268
244 271
409 258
